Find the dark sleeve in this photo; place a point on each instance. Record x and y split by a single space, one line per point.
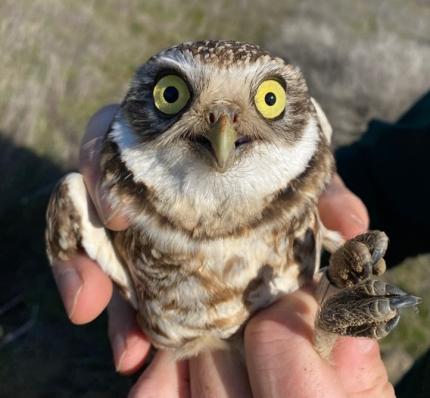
389 169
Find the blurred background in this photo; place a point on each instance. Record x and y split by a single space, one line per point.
62 60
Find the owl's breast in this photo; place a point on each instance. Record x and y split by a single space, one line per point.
193 291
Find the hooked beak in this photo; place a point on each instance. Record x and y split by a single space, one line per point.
222 137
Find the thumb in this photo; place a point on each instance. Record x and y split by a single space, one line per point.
342 211
280 356
359 366
90 167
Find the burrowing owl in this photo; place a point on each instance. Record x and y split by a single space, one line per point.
218 156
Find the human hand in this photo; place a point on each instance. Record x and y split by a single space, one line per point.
280 356
282 362
279 353
85 289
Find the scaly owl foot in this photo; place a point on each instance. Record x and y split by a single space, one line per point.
352 304
370 309
358 259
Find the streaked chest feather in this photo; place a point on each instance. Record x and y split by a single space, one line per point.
191 288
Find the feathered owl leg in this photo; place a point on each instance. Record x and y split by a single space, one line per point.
73 225
353 304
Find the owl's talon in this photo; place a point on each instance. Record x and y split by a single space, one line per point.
370 309
405 301
358 259
390 325
376 241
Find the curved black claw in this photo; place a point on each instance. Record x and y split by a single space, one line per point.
370 309
406 301
376 241
390 325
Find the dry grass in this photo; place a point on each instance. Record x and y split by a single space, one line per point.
411 338
61 60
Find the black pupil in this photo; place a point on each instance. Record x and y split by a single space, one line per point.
270 99
171 94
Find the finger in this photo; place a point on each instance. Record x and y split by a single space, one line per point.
280 357
218 374
129 345
360 368
342 211
83 286
96 129
164 377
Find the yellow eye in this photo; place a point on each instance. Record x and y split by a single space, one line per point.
270 99
171 94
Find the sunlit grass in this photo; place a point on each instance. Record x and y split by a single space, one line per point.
412 335
61 61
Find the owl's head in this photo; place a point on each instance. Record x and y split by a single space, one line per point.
211 119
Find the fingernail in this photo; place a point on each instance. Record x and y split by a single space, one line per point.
112 215
105 209
91 148
364 345
69 284
119 350
336 186
358 221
